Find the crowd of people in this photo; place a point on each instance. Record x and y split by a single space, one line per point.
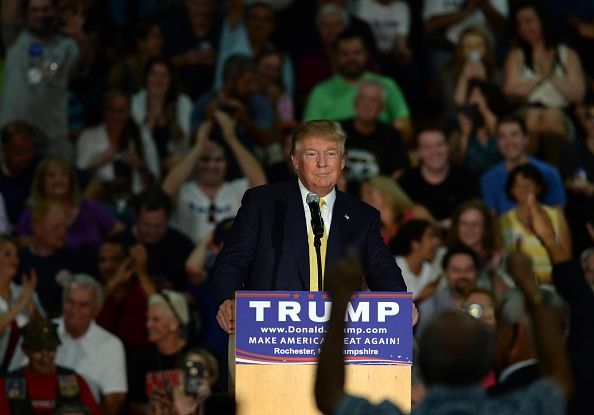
130 132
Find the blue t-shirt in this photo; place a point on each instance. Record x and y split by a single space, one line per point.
493 186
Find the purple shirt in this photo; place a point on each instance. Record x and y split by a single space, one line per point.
88 230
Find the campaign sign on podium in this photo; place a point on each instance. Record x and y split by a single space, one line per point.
279 335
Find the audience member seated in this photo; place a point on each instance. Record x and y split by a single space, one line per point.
247 30
42 386
18 303
460 270
282 169
126 287
473 142
88 222
153 371
331 20
162 112
395 207
42 56
512 142
415 247
178 397
373 147
334 98
239 97
473 60
192 30
455 352
205 199
128 75
476 227
118 155
167 249
445 21
50 256
544 77
525 182
94 353
436 184
270 64
391 23
17 168
578 171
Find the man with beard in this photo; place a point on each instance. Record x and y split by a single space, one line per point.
334 98
460 267
41 58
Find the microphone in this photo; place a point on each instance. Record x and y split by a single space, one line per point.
317 223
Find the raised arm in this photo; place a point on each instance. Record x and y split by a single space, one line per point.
250 167
342 280
182 171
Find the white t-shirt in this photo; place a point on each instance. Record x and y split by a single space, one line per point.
415 283
21 320
477 18
94 141
387 21
191 215
98 356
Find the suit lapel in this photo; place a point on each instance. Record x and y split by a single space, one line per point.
297 232
336 238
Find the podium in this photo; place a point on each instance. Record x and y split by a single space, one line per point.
278 335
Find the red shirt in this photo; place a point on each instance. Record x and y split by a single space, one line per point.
42 391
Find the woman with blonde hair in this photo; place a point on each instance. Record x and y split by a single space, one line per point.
473 59
394 205
89 223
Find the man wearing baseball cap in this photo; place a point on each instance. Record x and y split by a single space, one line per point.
41 387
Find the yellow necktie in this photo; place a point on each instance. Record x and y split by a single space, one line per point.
313 262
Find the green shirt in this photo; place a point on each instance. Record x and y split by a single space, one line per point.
334 99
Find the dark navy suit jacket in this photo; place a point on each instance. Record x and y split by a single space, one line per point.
268 246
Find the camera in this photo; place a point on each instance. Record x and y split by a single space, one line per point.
194 374
475 56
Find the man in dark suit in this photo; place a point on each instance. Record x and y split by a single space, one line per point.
269 245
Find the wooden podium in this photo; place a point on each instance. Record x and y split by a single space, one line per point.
288 389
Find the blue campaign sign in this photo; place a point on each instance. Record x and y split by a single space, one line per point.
283 327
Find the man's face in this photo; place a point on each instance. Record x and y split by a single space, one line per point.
50 232
111 256
433 150
511 141
260 23
151 225
351 58
245 85
18 154
318 162
212 165
42 361
331 25
460 273
369 103
117 111
38 12
80 308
